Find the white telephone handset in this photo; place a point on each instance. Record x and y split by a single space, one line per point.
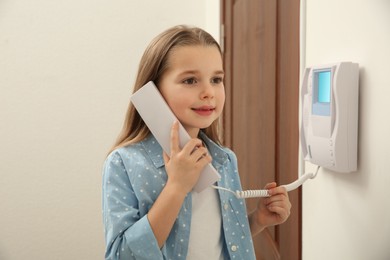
159 118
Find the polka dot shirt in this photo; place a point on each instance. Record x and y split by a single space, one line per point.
134 176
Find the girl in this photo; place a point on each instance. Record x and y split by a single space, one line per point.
149 209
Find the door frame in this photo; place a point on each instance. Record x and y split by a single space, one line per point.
284 25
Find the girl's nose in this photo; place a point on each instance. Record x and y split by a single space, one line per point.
207 91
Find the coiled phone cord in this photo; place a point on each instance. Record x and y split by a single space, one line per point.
264 193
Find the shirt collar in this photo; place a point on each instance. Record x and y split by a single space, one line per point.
216 151
154 150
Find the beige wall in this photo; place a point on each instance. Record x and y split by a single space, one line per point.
66 71
346 216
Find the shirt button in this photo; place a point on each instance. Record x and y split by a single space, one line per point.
225 206
234 248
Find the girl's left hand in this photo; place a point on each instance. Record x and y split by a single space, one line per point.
275 209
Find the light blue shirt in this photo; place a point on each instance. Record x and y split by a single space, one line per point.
133 177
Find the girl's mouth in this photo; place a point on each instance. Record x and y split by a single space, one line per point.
204 111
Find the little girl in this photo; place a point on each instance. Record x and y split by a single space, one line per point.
149 208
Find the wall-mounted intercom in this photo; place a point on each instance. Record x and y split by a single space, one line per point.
329 125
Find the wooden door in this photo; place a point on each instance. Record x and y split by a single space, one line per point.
261 58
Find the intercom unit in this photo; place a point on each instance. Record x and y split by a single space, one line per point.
329 125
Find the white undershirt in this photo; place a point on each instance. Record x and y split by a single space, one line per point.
205 235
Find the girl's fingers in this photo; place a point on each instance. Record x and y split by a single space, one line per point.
200 154
192 146
282 212
278 203
278 190
193 149
166 158
275 199
175 138
270 185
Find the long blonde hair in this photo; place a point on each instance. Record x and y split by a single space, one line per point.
153 64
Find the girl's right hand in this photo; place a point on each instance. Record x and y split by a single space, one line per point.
184 166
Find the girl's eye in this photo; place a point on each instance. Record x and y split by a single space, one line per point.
216 80
190 81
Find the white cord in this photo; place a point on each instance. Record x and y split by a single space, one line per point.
264 193
301 180
245 193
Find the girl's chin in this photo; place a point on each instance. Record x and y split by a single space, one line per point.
196 127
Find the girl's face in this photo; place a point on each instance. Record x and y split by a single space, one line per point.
193 86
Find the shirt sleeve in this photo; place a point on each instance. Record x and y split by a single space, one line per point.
127 234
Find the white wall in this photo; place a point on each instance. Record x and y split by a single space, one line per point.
347 216
66 71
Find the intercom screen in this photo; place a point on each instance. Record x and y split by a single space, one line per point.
324 79
322 87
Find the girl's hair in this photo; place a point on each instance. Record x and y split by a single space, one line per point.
153 64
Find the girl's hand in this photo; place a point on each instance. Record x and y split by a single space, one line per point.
275 209
184 166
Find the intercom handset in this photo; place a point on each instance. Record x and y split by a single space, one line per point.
329 96
159 118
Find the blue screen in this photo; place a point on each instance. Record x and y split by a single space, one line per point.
324 86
